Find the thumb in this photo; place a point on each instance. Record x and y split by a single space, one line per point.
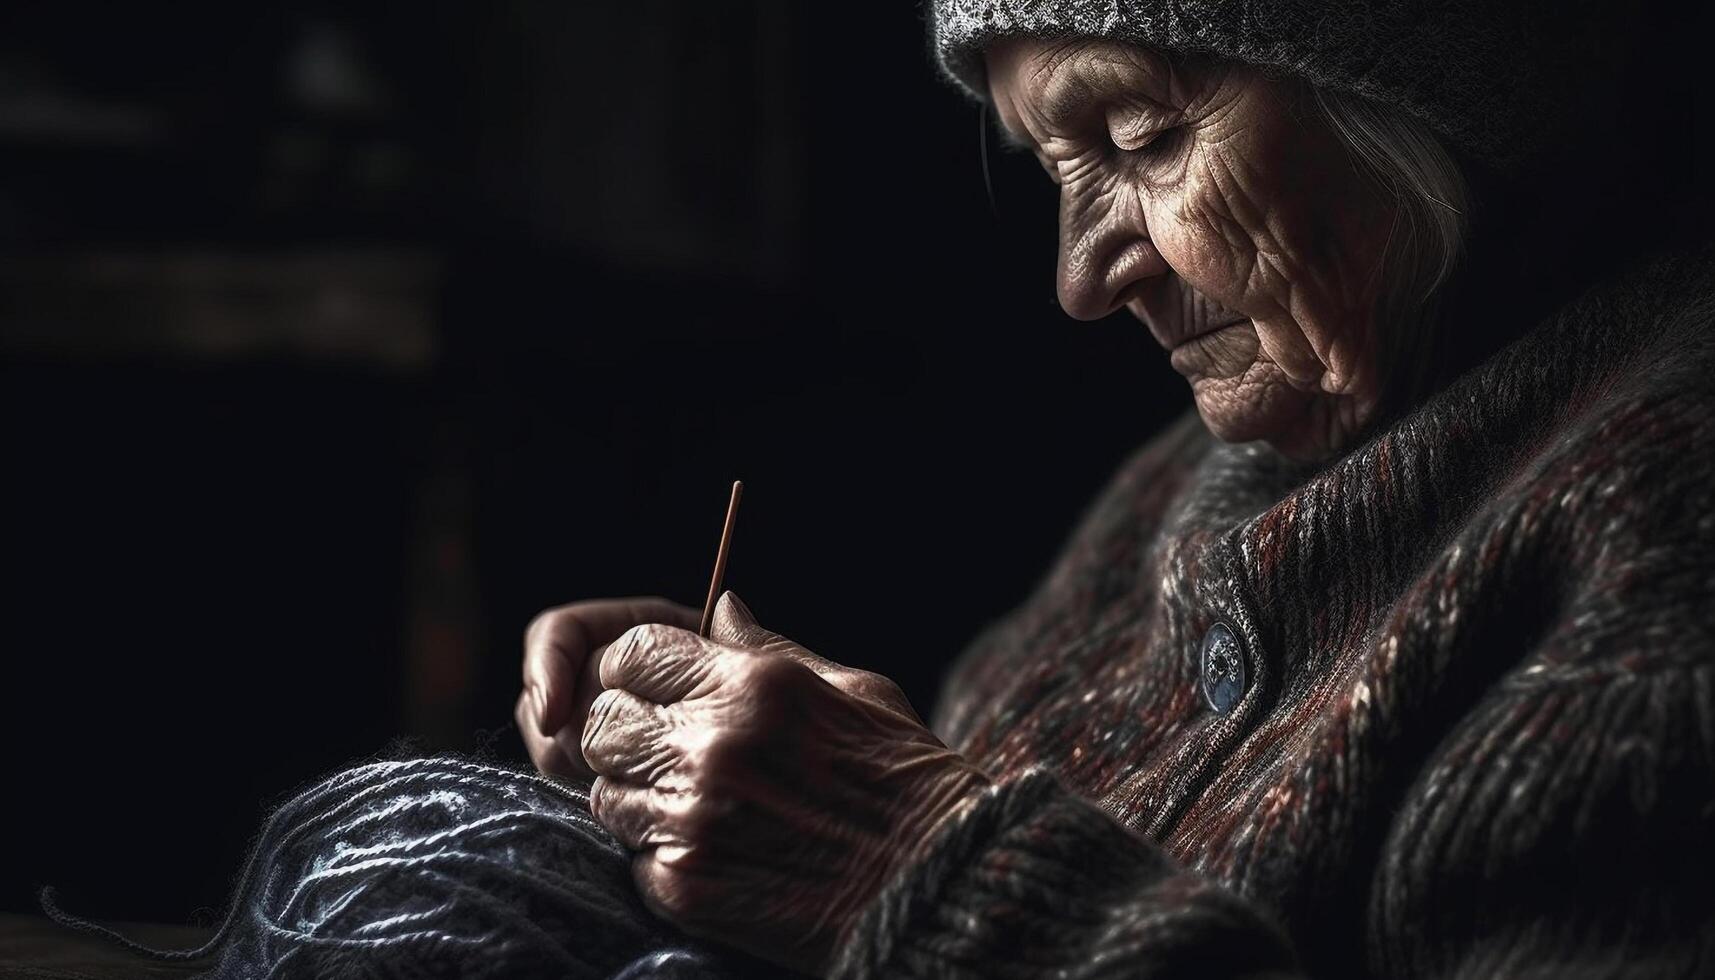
736 625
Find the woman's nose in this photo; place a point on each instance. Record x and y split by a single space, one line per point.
1083 294
1098 268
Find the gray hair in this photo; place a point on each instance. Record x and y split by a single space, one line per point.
1427 238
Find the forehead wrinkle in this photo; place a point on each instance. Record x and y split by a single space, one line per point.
1061 92
1066 81
1136 73
1038 71
1054 55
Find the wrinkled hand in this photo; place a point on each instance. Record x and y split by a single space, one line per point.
562 654
770 793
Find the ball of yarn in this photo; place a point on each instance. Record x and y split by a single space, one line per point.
443 867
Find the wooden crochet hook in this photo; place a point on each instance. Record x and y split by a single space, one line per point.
720 558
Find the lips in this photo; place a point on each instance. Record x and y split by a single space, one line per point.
1176 314
1199 331
1208 331
1215 351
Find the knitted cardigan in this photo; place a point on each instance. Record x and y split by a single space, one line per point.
1478 737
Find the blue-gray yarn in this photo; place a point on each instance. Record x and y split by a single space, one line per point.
441 867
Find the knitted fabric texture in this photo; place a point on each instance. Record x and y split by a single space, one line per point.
1478 737
1495 77
446 868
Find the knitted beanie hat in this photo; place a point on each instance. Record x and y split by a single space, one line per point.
1498 79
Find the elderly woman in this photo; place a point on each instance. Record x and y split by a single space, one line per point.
1395 657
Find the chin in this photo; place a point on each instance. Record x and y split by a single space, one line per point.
1248 423
1286 421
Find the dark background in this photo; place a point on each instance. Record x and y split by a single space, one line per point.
338 340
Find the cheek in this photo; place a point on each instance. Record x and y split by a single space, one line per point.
1193 223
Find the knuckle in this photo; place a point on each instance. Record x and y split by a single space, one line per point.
617 658
602 710
635 641
875 687
609 800
769 677
607 702
649 634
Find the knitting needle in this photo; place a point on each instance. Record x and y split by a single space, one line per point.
720 558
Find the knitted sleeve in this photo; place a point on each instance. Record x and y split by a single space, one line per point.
1562 830
1562 833
1035 881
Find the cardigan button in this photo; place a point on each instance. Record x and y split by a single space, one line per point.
1223 668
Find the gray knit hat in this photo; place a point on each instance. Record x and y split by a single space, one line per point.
1498 79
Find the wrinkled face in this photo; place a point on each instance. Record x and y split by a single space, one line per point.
1213 203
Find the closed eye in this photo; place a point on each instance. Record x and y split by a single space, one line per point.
1131 130
1132 142
1153 149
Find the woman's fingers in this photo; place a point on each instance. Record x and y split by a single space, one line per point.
734 623
659 663
553 648
769 794
560 641
545 753
632 813
627 738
